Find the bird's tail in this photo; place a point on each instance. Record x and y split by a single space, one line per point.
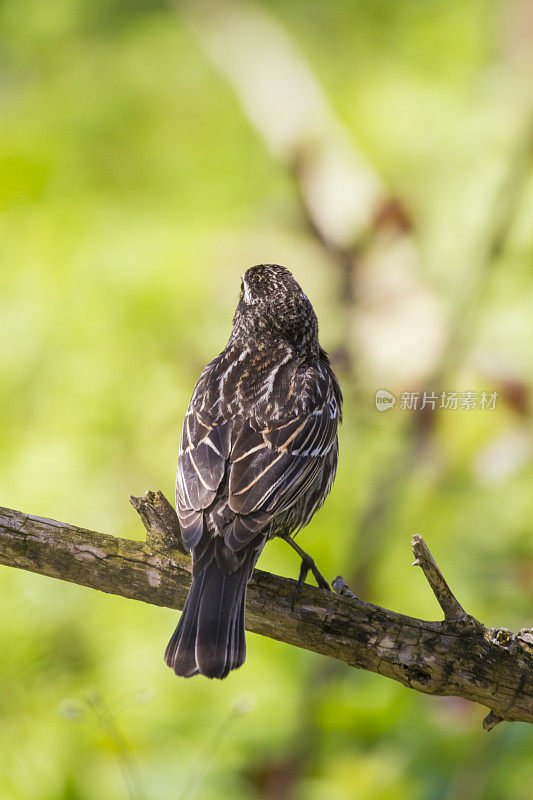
209 638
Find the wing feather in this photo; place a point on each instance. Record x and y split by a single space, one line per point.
204 450
269 465
270 480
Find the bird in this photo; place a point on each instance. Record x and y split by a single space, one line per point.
257 457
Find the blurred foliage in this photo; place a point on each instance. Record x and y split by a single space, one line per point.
133 194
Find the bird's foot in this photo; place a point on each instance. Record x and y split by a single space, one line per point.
308 565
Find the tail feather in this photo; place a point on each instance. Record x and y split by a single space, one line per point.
180 650
210 638
236 654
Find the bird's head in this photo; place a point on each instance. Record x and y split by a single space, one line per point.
273 306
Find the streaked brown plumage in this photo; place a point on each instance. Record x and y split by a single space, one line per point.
258 456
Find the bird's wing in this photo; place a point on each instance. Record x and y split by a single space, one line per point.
204 451
272 466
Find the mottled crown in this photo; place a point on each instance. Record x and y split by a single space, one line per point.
272 305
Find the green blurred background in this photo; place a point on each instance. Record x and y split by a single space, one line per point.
136 185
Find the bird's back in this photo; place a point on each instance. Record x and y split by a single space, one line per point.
266 403
258 455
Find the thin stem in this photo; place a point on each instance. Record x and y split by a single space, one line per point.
453 610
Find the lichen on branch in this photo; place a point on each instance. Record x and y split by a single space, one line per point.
454 656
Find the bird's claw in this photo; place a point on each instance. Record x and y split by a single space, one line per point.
308 565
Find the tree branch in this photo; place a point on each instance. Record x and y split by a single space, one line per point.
455 656
445 597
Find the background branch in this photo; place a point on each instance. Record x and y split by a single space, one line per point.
450 657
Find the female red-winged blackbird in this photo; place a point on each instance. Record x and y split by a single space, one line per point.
258 455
